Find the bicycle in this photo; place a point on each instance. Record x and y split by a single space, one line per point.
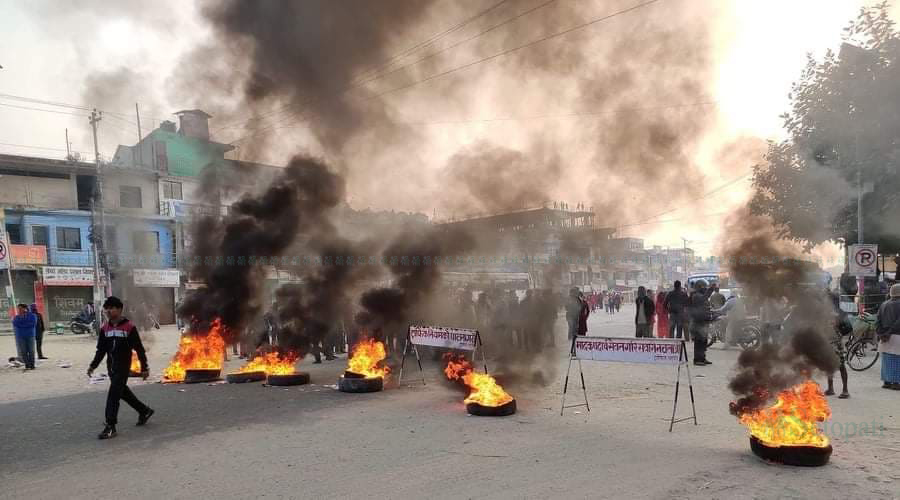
862 351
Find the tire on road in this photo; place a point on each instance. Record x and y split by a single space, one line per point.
491 411
299 378
242 378
201 376
359 385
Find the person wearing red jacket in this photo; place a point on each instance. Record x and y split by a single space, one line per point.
117 338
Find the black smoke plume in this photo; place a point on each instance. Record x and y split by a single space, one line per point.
264 225
769 269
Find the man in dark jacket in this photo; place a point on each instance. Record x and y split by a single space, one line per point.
676 305
643 314
38 331
701 316
117 338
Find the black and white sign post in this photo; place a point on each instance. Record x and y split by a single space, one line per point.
461 339
628 350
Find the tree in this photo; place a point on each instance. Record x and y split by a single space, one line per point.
844 121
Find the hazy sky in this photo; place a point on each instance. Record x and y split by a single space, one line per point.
52 50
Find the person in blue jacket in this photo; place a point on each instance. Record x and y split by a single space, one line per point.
23 325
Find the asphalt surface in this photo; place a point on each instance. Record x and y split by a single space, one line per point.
248 441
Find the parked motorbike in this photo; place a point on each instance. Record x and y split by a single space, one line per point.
81 325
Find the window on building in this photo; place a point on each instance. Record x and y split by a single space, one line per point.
171 190
40 235
68 238
14 233
146 242
129 196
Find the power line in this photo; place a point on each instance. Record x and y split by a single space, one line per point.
44 110
375 70
705 195
477 35
435 38
61 104
518 48
482 60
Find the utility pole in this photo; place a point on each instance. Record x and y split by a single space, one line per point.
137 113
68 151
98 206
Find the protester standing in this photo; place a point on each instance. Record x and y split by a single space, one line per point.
662 319
701 316
23 326
716 299
676 305
643 314
887 327
118 337
38 331
573 313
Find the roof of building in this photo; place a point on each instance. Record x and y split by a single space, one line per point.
192 112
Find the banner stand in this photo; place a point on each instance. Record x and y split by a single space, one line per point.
403 359
682 360
566 383
409 342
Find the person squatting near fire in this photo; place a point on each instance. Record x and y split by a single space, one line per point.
644 311
117 338
701 316
887 327
23 326
676 305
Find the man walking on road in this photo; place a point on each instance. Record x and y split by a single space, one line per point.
117 338
23 325
676 305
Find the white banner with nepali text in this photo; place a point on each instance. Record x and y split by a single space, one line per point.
439 336
628 350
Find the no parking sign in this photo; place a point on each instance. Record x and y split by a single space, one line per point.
863 259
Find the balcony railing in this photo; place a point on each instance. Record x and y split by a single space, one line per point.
180 209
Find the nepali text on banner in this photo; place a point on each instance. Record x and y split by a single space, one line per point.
439 336
625 350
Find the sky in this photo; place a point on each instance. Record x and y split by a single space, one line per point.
53 51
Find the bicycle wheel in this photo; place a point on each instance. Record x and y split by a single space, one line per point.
862 355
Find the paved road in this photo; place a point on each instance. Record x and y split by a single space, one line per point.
243 441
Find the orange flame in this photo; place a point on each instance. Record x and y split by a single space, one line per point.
365 358
791 421
273 363
483 389
199 352
135 363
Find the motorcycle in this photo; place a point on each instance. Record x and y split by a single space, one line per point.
81 324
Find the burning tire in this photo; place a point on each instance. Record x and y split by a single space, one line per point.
491 411
241 378
804 456
201 376
299 378
134 374
359 384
